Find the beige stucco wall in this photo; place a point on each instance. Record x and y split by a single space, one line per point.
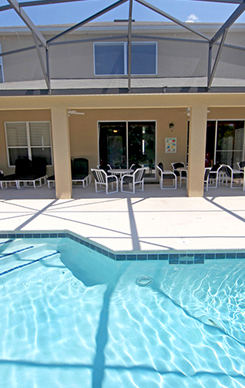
226 114
175 58
22 66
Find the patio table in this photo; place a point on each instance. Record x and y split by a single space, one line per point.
120 171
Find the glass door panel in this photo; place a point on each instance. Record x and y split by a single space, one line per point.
230 140
141 146
122 144
112 144
210 144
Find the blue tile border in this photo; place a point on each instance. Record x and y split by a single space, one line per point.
172 257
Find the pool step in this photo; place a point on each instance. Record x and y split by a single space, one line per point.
25 255
9 245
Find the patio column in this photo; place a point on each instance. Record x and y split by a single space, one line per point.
61 153
197 147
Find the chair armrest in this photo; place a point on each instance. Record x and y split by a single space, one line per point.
111 176
168 172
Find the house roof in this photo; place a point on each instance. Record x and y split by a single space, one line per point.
119 85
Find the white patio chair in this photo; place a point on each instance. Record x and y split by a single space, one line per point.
134 166
182 174
103 181
206 178
241 165
104 167
134 181
215 176
232 175
166 175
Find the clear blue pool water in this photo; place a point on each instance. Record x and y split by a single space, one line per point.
81 320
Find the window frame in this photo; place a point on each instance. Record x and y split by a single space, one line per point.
28 138
125 58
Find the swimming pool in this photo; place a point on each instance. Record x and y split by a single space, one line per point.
80 319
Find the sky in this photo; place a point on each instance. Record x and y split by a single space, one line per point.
74 12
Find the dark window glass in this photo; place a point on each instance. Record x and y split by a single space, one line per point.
210 144
112 144
14 153
109 59
42 152
143 58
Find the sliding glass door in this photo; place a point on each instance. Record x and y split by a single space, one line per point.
225 142
123 143
230 142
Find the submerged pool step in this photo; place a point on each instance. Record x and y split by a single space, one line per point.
5 241
9 246
26 255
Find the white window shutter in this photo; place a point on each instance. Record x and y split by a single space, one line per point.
40 134
16 134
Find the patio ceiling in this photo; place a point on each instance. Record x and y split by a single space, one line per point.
40 43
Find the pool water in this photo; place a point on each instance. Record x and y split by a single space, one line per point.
80 319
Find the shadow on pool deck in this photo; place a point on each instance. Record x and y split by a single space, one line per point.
151 220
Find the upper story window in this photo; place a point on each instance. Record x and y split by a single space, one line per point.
112 58
28 139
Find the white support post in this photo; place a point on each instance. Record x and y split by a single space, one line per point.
61 153
197 147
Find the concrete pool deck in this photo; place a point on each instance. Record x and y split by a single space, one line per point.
151 220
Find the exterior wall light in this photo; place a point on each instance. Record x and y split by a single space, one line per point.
171 126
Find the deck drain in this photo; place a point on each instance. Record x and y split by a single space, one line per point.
144 281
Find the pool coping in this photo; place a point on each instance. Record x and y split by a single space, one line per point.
172 256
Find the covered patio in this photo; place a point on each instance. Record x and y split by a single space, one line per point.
193 75
72 135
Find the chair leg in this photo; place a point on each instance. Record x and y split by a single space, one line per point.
113 191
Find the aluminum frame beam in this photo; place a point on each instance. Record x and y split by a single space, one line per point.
37 2
173 19
45 74
240 9
40 41
15 5
129 42
222 32
212 72
37 36
106 38
223 1
89 19
49 2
